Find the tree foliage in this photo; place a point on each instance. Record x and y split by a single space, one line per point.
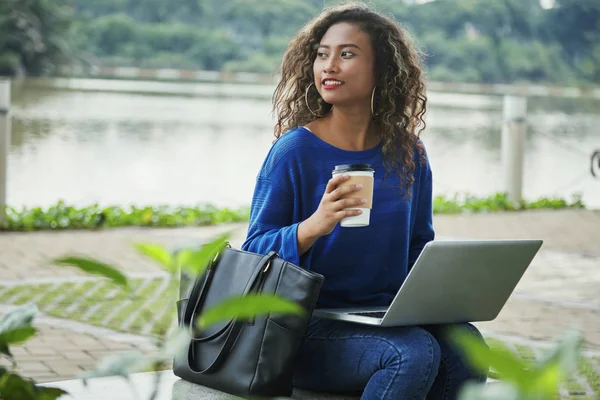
488 41
33 36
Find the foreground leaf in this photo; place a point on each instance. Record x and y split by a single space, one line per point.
248 307
197 261
94 267
15 387
49 393
18 335
176 345
566 353
122 364
559 364
158 254
15 327
510 367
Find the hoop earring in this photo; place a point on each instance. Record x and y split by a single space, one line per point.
306 101
373 103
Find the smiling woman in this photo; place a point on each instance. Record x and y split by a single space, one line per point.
382 71
345 58
352 92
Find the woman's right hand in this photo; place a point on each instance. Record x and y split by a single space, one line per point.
332 205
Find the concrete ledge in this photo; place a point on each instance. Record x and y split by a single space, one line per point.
171 388
183 390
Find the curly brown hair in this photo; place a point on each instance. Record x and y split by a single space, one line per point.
400 100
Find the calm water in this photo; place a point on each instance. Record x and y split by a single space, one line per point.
122 148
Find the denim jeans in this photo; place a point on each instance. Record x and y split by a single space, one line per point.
399 363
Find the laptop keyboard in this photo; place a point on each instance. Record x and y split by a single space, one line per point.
372 314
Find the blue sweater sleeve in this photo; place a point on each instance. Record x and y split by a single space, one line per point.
423 229
271 225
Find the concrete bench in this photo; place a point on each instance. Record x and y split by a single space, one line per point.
183 390
171 388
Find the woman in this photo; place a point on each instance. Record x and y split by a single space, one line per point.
352 91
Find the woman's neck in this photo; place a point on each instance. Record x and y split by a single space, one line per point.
352 131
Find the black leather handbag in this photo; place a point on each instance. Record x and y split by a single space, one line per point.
245 358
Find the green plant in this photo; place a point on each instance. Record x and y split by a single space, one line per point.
62 216
498 202
16 327
519 379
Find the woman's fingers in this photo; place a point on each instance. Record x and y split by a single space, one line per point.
349 203
335 181
341 191
347 213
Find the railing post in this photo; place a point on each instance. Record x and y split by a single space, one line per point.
514 132
4 144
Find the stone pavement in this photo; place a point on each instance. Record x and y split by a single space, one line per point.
558 291
61 353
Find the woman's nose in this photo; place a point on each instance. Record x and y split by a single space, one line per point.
330 66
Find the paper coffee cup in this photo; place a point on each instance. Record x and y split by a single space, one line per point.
363 174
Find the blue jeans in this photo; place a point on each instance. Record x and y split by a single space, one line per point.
400 363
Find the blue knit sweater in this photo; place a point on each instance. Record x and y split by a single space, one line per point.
362 266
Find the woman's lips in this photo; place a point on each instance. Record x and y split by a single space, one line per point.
331 84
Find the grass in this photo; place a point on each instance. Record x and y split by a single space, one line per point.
116 306
76 299
591 374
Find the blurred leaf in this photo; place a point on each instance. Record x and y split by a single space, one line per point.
183 257
15 327
248 307
18 335
559 364
567 352
157 253
95 267
122 364
509 366
177 343
546 380
197 261
15 387
48 393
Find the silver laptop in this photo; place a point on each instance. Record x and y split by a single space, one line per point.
452 281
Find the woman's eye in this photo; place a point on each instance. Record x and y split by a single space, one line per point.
321 55
347 54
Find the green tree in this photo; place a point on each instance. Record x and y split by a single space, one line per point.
488 41
110 33
575 25
34 36
270 17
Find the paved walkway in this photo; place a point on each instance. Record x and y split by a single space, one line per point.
62 350
558 291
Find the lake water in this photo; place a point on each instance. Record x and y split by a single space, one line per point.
113 148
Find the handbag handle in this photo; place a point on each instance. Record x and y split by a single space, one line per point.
200 291
234 327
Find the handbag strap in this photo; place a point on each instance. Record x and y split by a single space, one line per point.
201 286
234 327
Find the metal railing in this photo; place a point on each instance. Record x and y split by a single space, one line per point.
4 144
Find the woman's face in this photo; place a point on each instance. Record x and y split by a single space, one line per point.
344 66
